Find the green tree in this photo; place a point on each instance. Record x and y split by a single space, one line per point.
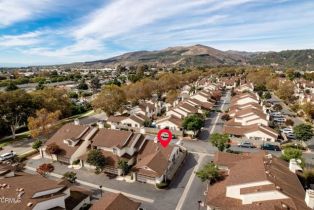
286 91
15 107
209 172
303 132
40 86
110 99
53 149
292 153
123 165
172 95
308 109
52 99
193 123
11 86
221 141
289 122
290 74
37 144
43 123
147 123
95 84
277 107
96 158
70 176
82 85
73 95
225 117
267 95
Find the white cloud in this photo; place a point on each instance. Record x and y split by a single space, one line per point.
12 11
122 16
127 25
26 39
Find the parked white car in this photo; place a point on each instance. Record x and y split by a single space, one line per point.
287 130
7 156
279 119
276 114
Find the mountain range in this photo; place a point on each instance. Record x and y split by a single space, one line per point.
200 55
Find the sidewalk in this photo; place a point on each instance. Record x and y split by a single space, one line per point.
136 190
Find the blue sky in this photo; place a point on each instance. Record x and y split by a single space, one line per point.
36 32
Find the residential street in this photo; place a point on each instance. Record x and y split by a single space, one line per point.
158 199
195 188
186 189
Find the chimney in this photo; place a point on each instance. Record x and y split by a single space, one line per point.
101 124
309 198
155 140
76 121
294 165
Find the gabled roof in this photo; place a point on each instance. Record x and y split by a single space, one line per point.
252 168
115 201
173 119
241 130
111 138
77 133
155 157
31 184
249 112
188 107
116 119
155 161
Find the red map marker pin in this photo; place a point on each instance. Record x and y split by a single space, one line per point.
164 141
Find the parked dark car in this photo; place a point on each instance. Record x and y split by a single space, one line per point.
270 147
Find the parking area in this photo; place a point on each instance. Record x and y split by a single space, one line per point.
161 199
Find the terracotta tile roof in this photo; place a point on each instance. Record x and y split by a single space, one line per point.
115 201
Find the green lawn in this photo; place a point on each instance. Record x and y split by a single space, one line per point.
20 136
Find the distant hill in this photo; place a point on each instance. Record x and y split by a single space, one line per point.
200 55
197 55
300 59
